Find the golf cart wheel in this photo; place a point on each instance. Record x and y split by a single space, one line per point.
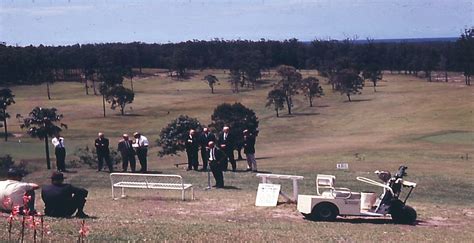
324 212
406 215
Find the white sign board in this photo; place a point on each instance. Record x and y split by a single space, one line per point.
342 166
267 195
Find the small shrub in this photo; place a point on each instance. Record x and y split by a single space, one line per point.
7 162
88 156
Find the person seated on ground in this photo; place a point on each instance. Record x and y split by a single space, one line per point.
63 200
13 190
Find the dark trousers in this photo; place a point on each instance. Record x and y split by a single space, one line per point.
230 159
216 170
101 156
205 158
128 158
75 205
192 159
142 154
60 158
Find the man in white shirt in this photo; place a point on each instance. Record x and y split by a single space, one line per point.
13 190
60 152
141 148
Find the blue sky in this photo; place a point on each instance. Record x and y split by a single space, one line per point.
60 22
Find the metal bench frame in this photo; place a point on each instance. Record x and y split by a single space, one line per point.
149 181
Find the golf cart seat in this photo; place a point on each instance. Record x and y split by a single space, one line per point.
325 187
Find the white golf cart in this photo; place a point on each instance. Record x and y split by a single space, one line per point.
331 202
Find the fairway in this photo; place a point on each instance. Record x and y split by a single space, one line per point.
427 126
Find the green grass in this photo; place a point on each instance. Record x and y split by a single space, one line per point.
426 126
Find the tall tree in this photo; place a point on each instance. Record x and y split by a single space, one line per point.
289 83
311 89
6 99
41 124
373 75
211 81
119 96
465 53
235 79
276 98
348 82
130 74
110 78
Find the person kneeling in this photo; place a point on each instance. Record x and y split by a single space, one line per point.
63 200
13 192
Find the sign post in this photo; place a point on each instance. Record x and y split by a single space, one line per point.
267 195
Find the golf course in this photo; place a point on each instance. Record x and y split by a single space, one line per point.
426 126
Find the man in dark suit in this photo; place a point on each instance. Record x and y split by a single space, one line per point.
226 142
249 150
60 152
125 146
192 148
204 140
103 152
63 200
217 158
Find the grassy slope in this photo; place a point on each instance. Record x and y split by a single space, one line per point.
398 124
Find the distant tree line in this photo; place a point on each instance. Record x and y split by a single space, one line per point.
244 59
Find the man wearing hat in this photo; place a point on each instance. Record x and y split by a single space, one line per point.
12 191
141 148
63 200
127 152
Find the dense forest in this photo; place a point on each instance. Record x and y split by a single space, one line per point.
46 64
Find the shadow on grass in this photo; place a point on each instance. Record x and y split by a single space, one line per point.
264 157
370 220
231 188
306 114
355 101
132 115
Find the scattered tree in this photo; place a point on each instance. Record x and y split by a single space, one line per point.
6 99
235 79
172 136
119 96
289 83
276 98
373 75
41 124
465 53
211 81
311 89
348 82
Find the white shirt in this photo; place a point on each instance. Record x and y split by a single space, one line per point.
142 141
11 193
58 143
212 155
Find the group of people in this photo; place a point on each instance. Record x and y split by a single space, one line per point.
64 200
127 148
60 199
218 152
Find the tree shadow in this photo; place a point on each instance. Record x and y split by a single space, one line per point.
264 157
132 115
355 101
306 114
231 188
321 106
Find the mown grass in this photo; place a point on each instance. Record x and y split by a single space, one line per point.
407 121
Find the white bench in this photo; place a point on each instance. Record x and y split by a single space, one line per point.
149 181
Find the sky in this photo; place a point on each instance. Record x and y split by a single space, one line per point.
66 22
